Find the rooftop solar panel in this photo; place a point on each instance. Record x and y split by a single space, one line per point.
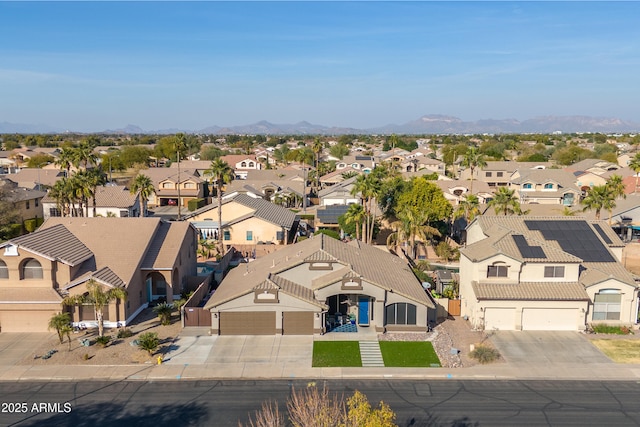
574 237
602 234
528 251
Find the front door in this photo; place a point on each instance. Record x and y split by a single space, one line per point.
363 311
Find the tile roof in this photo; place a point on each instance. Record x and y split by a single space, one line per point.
373 265
165 246
532 291
29 295
113 196
55 243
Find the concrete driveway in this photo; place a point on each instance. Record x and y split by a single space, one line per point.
15 346
546 348
241 349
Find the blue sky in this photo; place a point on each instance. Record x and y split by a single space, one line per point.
91 66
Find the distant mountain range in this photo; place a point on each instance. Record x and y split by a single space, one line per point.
429 124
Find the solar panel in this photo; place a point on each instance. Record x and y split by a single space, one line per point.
330 214
602 234
574 237
528 251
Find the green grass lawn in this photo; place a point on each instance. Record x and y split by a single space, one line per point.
336 353
408 354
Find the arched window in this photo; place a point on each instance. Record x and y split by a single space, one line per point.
548 186
243 164
4 271
251 164
31 269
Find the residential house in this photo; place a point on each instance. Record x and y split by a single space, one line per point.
36 178
339 194
173 187
316 286
359 163
111 200
27 201
150 258
498 173
545 186
246 220
541 273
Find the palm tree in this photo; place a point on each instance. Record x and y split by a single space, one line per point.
468 208
95 178
355 215
222 174
83 155
85 189
66 159
634 165
99 298
317 149
142 185
597 199
472 160
305 156
415 226
505 202
616 188
58 322
164 311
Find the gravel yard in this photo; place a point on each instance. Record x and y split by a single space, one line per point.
117 352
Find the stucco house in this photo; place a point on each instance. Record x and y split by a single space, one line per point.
545 186
313 286
246 220
173 188
27 201
150 258
111 200
541 273
339 194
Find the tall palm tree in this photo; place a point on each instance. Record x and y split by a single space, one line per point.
95 178
616 188
472 160
222 174
85 188
597 199
317 149
65 160
355 215
99 298
634 165
468 208
142 185
416 223
83 155
505 202
305 156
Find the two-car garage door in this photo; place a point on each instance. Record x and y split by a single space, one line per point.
264 323
533 319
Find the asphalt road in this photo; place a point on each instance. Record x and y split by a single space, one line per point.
225 403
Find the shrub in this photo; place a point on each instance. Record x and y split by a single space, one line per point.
148 341
86 356
125 333
330 233
485 354
103 340
164 311
602 328
194 204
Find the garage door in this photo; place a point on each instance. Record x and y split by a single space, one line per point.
297 323
25 321
549 319
248 323
502 319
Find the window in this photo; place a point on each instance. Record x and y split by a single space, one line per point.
4 271
488 174
31 269
243 164
554 271
249 235
400 313
251 164
527 186
168 185
606 305
124 213
54 212
227 235
189 185
27 203
497 271
499 174
36 203
548 186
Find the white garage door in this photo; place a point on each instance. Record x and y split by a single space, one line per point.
502 319
549 319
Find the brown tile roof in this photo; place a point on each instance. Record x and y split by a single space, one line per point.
547 291
55 243
118 243
296 290
165 247
115 196
375 266
29 295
